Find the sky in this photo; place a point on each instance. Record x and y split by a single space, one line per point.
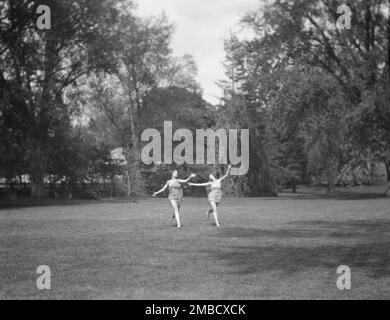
201 27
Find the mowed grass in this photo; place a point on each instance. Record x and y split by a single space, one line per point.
282 248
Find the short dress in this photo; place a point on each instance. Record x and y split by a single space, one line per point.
215 194
176 193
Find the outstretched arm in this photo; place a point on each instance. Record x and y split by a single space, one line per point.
200 184
185 181
162 190
227 173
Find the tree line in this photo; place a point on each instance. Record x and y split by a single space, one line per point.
315 98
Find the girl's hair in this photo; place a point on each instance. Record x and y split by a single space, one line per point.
217 174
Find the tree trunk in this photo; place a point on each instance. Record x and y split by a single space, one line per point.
135 185
294 186
113 188
388 47
331 177
37 186
331 188
388 178
37 169
128 184
388 154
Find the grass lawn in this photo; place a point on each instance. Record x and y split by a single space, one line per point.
282 248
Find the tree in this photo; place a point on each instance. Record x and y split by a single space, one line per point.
304 33
182 72
37 66
144 65
347 69
141 53
186 109
311 107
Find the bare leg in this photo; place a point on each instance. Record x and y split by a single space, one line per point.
215 212
178 208
209 211
176 212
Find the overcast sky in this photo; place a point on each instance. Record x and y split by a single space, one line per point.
201 26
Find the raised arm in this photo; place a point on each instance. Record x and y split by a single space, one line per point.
162 190
227 173
200 184
185 181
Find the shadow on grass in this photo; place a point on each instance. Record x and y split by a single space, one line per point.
374 258
25 203
316 229
333 196
372 255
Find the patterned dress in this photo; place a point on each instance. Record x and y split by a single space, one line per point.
176 192
215 194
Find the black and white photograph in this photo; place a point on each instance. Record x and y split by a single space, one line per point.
194 150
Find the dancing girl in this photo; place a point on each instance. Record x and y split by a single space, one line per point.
175 194
215 194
